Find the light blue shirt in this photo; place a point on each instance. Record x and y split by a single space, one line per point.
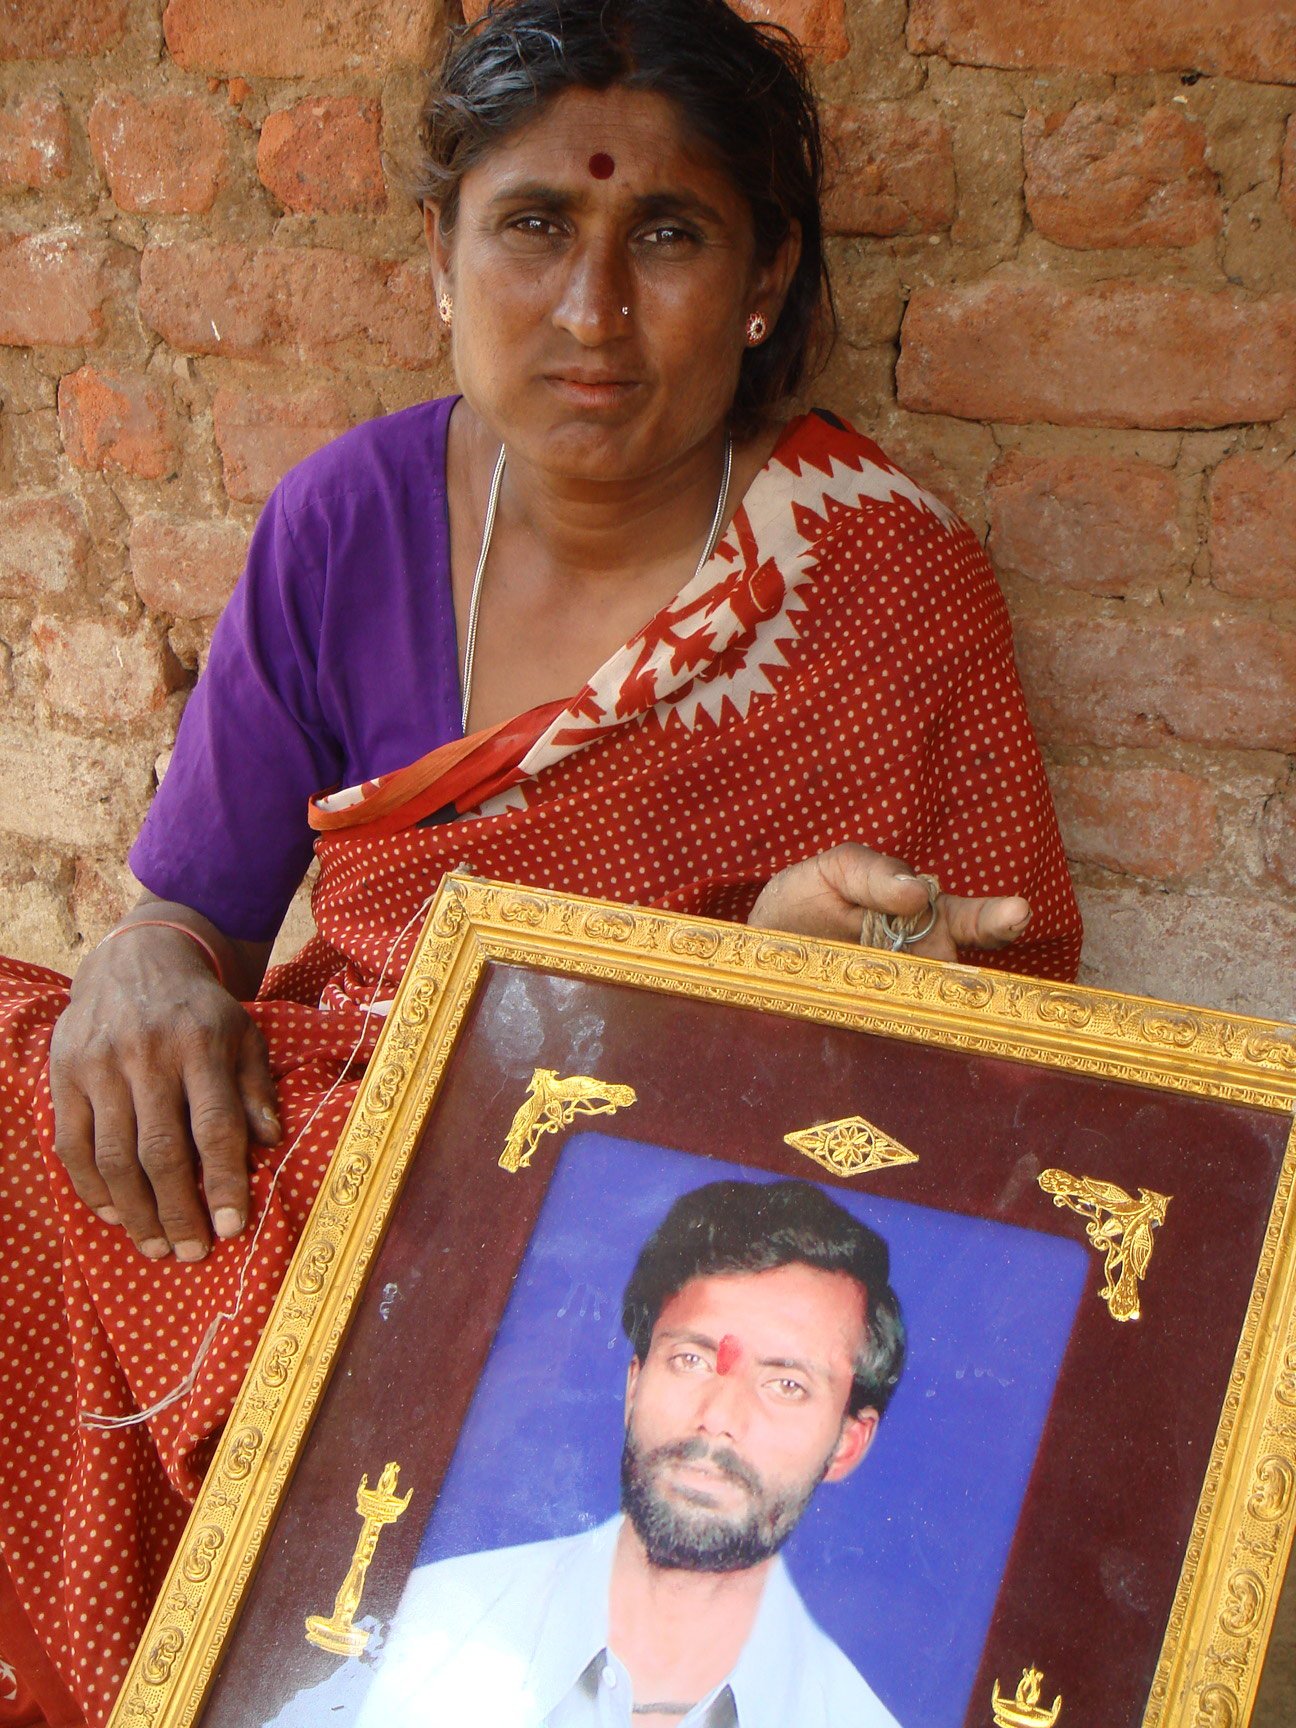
518 1638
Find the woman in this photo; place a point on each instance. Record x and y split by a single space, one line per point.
622 213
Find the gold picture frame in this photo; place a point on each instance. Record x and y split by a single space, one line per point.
1204 1658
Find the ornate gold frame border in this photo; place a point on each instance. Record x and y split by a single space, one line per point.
1213 1647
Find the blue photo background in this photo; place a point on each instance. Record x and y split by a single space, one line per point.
900 1564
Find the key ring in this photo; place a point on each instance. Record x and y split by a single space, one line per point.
897 935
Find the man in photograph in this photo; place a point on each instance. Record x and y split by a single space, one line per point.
767 1342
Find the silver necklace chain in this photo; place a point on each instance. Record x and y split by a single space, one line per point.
488 532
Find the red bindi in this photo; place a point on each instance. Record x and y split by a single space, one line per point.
728 1353
601 165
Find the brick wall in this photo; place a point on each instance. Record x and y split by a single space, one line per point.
1065 251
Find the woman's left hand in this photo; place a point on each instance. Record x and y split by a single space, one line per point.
829 894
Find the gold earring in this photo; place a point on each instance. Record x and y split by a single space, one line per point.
757 329
445 306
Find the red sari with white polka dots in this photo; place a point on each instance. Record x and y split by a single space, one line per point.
840 669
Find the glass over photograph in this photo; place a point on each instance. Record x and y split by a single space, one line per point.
754 1451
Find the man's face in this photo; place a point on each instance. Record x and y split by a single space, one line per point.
739 1411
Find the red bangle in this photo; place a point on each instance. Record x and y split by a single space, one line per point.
171 924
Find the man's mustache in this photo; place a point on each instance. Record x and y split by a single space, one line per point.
721 1459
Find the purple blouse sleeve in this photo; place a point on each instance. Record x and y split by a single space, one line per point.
335 660
227 831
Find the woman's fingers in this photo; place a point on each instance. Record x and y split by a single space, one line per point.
74 1144
218 1125
873 881
834 893
257 1090
992 923
158 1078
823 895
153 1182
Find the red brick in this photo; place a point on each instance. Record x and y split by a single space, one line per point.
1101 524
277 303
43 546
114 419
1152 822
889 172
1225 951
819 25
102 673
324 156
54 29
1098 175
67 791
35 143
1253 39
308 39
262 437
1287 189
1278 828
53 288
186 569
1115 681
100 897
161 157
1122 354
1253 528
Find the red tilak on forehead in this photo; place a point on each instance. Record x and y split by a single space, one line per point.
728 1353
601 165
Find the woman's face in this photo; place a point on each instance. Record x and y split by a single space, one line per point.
602 272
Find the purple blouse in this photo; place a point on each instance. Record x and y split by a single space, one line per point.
335 660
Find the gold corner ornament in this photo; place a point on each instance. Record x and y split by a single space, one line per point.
1120 1228
551 1102
377 1508
850 1147
1025 1710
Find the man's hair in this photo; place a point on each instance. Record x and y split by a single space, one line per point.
742 88
730 1227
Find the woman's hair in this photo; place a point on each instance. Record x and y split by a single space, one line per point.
742 89
734 1227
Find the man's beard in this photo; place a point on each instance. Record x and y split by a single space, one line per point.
697 1538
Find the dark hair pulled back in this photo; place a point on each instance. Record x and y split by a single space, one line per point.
742 89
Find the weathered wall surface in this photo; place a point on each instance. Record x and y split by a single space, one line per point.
1065 249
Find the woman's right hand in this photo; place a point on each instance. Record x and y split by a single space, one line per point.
157 1073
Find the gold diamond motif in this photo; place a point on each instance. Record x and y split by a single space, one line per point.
850 1147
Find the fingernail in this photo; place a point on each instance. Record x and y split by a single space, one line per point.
109 1214
156 1248
228 1222
270 1121
189 1251
904 876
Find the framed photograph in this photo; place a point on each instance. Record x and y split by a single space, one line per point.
923 1336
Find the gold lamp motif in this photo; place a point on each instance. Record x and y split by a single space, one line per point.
377 1507
1025 1710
